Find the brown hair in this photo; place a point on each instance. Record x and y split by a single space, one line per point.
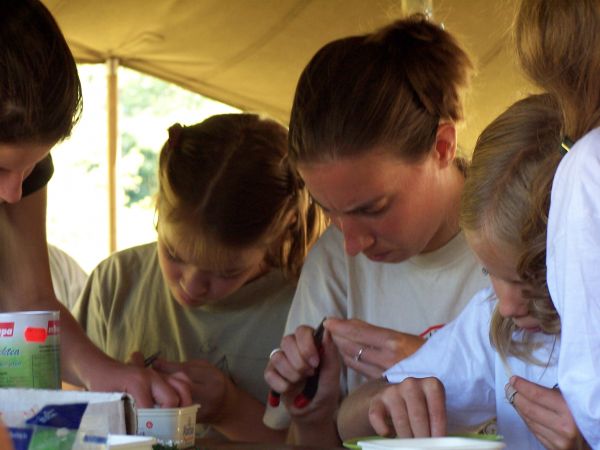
558 45
506 199
387 89
40 92
226 184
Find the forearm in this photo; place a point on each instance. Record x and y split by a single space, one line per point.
322 433
26 284
241 419
353 416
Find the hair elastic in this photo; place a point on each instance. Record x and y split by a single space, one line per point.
565 145
175 131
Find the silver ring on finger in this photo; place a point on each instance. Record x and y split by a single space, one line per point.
359 354
275 350
511 393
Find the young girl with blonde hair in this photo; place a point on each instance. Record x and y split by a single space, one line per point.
558 44
234 224
498 358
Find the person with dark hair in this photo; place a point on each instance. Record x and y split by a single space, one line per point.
40 101
558 46
507 340
373 135
234 225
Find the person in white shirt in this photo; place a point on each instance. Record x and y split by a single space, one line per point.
558 45
373 135
499 357
68 278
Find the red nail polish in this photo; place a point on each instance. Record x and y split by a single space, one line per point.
301 401
273 399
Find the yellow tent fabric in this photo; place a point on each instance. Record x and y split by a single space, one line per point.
249 53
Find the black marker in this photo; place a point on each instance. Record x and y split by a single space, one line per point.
312 382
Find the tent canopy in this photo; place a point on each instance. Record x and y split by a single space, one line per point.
250 53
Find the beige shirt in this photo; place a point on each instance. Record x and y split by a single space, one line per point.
126 306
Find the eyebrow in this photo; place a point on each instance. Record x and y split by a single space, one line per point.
358 209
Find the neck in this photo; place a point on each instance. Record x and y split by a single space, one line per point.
449 226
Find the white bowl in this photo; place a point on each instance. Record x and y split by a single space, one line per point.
174 426
446 443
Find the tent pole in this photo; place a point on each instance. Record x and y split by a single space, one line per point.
112 64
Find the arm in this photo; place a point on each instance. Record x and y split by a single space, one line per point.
353 416
25 284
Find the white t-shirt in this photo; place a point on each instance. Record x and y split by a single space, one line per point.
573 260
415 296
68 278
462 357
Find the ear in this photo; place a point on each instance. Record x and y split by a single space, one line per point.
445 143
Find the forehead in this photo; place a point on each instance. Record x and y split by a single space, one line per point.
15 156
344 182
208 254
498 257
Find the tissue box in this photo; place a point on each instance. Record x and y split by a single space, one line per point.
107 412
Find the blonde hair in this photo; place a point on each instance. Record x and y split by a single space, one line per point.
506 199
388 89
226 184
558 45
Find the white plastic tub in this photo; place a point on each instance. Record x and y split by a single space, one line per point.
175 426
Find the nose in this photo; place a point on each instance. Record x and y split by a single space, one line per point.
195 282
510 300
356 237
11 187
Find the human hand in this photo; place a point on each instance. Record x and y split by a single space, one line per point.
297 359
416 407
369 349
210 387
146 386
546 413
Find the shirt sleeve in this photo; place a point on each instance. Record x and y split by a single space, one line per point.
573 261
39 177
460 355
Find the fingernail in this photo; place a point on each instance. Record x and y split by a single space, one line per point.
314 361
274 399
301 401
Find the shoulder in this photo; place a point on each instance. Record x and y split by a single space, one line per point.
129 261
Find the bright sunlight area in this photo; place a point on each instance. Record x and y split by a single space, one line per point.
78 220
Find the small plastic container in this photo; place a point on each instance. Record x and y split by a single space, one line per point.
126 442
173 426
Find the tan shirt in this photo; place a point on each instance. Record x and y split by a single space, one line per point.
127 306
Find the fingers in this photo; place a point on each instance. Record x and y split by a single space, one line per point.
357 331
296 361
413 408
136 359
165 394
181 383
545 412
